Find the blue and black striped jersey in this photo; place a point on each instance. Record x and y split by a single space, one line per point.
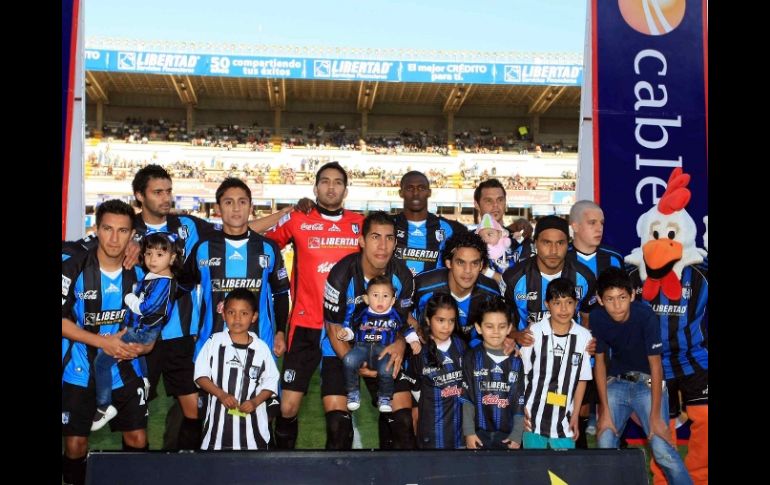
682 322
94 301
421 246
437 281
525 289
496 390
220 264
379 328
440 385
603 258
154 302
345 289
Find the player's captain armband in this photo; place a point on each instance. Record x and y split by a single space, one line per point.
331 294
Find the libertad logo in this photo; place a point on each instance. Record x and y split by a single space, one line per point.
652 17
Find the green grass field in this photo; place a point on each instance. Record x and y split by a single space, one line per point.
312 425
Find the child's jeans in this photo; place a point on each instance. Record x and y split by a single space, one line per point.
368 352
103 362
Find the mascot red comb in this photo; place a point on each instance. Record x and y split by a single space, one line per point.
669 276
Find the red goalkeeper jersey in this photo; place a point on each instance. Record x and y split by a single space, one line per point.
319 242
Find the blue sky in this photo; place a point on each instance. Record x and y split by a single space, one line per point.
480 25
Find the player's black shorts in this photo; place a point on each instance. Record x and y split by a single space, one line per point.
301 359
333 380
174 360
78 406
694 389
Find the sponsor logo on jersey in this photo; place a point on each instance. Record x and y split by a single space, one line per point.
417 232
678 310
480 373
109 317
494 400
330 307
331 242
264 261
325 267
318 226
335 228
415 254
531 296
494 386
236 256
229 284
451 391
234 362
354 227
210 262
447 378
430 370
496 369
88 295
447 360
112 289
440 235
282 274
373 337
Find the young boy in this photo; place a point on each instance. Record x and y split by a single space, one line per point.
557 367
237 369
493 384
373 329
630 330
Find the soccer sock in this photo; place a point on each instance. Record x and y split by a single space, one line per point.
189 434
174 419
582 442
386 436
286 431
402 429
73 470
339 430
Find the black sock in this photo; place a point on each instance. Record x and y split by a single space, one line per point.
402 430
173 427
189 434
339 430
386 436
73 470
582 441
286 431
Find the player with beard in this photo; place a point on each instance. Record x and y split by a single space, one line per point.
320 238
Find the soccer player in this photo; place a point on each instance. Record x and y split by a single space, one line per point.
320 238
237 371
629 333
236 257
587 221
94 283
525 283
343 297
421 235
465 257
557 368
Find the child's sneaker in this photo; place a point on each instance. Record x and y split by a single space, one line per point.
354 400
103 416
383 404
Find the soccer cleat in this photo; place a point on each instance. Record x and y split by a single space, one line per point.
103 416
354 400
383 404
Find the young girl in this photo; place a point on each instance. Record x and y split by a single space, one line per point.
437 370
148 310
493 416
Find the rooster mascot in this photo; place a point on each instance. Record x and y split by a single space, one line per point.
670 277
